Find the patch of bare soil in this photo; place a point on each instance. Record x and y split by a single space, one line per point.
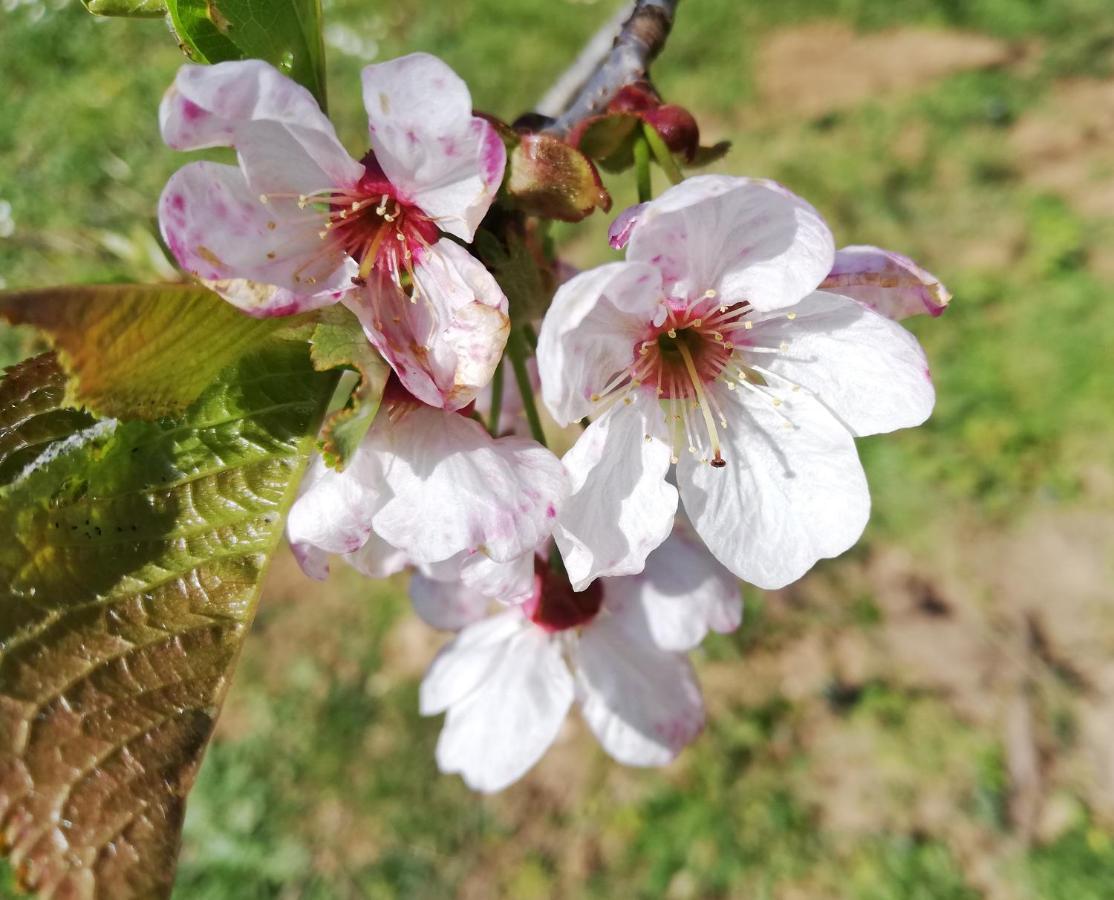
1064 146
814 69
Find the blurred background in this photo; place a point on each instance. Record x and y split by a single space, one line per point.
930 717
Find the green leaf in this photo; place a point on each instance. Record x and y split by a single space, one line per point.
528 283
139 9
285 33
141 351
131 558
339 342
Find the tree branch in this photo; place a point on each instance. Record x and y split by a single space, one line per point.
639 42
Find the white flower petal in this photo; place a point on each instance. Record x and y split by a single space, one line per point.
682 594
887 282
790 494
865 368
746 239
377 559
500 728
446 605
465 663
444 159
284 141
444 346
591 333
264 259
333 512
621 506
450 487
642 703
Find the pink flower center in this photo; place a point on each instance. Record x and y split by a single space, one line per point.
699 346
373 223
555 606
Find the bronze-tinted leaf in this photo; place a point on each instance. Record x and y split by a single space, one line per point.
131 556
140 350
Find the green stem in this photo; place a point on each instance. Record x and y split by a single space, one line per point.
496 398
662 153
642 168
517 351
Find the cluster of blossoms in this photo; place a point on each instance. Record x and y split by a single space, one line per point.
725 366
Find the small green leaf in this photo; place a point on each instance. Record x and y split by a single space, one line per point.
139 9
141 351
706 155
339 342
285 33
131 557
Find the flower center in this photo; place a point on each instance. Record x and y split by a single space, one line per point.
686 358
555 606
372 223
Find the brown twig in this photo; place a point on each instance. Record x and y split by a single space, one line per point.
639 42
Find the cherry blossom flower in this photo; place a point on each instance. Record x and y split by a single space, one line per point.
433 489
300 224
710 348
506 682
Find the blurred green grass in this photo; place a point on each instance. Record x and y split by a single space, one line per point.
321 781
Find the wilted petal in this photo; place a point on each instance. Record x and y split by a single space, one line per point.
745 239
642 703
621 506
264 259
591 333
444 345
887 282
505 705
285 142
447 161
792 492
865 368
449 487
619 233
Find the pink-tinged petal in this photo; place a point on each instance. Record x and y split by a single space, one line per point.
284 141
265 259
452 594
682 594
642 703
446 605
619 233
792 491
333 510
449 487
865 368
377 559
591 333
445 345
496 731
888 283
313 561
447 161
621 506
743 238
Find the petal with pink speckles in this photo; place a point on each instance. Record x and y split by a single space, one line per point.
447 161
284 141
265 259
